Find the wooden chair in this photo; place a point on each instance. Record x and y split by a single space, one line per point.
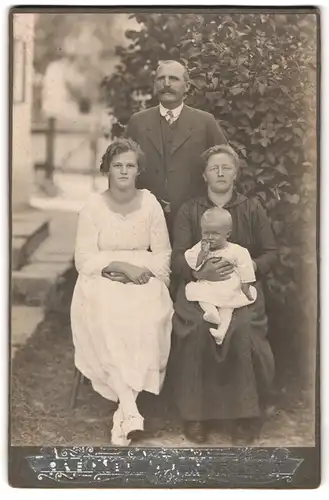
78 379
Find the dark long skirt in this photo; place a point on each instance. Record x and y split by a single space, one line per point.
220 382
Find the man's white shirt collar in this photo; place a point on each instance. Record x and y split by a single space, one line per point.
176 112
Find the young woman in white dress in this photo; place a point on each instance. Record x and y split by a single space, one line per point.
121 308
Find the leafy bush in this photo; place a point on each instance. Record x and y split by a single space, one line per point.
257 74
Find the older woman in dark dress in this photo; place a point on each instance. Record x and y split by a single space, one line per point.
231 381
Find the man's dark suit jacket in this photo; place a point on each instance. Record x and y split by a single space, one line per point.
196 131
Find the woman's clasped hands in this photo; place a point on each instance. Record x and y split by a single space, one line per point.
128 273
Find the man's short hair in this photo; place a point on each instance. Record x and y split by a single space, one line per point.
170 61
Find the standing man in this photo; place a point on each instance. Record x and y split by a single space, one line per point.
173 136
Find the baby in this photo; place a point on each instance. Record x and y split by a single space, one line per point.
218 299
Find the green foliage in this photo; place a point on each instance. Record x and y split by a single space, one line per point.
257 74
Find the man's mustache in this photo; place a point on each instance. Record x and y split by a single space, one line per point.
167 91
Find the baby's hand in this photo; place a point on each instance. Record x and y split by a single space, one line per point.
205 246
245 287
201 258
203 254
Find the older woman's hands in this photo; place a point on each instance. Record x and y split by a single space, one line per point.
215 269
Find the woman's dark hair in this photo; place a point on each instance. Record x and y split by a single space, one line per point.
117 147
215 150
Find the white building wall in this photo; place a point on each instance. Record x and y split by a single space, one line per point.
22 168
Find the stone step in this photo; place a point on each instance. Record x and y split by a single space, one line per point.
34 282
29 230
24 321
37 280
13 351
18 254
54 249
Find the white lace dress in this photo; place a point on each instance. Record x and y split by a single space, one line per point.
121 328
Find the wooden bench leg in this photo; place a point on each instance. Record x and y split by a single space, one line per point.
78 378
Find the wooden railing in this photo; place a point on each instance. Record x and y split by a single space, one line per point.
51 130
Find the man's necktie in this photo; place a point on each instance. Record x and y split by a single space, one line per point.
170 117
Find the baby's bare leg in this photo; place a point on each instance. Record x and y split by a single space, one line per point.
210 313
220 332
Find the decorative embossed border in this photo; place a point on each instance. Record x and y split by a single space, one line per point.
82 467
160 467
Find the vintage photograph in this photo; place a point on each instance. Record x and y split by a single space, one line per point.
164 230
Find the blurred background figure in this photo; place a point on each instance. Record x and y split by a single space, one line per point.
72 124
71 83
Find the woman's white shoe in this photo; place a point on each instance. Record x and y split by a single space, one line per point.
122 427
133 423
118 435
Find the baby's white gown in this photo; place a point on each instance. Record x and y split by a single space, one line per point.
226 293
118 326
